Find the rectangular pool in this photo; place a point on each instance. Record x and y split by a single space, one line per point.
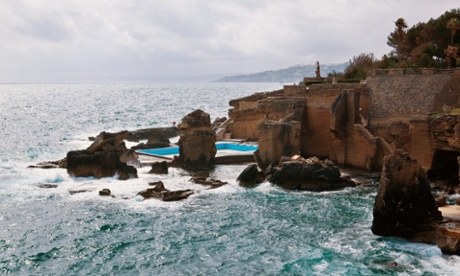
220 146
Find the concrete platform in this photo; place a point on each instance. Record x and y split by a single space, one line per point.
451 212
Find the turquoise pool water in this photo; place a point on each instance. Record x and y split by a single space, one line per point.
219 146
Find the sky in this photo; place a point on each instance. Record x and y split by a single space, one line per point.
100 40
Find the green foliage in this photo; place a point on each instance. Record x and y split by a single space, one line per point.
423 44
334 74
359 67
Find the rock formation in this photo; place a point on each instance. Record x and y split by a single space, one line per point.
51 164
197 142
152 134
310 174
448 239
105 192
404 206
277 139
160 192
159 168
250 176
106 156
211 183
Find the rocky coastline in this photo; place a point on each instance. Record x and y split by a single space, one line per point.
395 123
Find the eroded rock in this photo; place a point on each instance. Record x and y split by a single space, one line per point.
197 142
448 239
106 157
404 205
47 186
105 192
310 174
160 192
51 164
159 168
250 176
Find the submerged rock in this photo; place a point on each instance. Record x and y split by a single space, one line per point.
51 164
47 186
211 183
105 192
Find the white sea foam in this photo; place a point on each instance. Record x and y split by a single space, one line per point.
240 228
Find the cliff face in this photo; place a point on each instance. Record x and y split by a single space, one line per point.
400 106
356 125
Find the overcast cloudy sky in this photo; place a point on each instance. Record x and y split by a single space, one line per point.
77 40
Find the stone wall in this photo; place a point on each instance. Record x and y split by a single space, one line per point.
396 92
291 90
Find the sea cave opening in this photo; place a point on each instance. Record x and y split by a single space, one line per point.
445 167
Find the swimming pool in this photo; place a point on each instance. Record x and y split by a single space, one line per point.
219 146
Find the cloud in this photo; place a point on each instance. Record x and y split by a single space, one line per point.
44 40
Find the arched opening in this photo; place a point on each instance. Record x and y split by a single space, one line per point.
445 167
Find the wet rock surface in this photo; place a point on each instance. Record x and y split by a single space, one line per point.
202 178
159 168
404 205
105 192
160 192
250 176
312 174
50 164
197 142
105 157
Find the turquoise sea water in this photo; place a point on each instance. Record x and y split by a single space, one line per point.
226 231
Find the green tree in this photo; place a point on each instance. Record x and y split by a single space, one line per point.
359 67
424 44
453 24
401 25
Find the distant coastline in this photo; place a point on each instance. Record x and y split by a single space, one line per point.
288 75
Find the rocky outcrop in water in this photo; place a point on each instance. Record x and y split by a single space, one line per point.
159 168
312 174
160 192
105 157
404 205
250 176
197 142
51 164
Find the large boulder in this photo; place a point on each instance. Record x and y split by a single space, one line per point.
106 157
404 206
197 142
250 176
312 174
159 167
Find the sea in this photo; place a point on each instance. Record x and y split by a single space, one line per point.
231 230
